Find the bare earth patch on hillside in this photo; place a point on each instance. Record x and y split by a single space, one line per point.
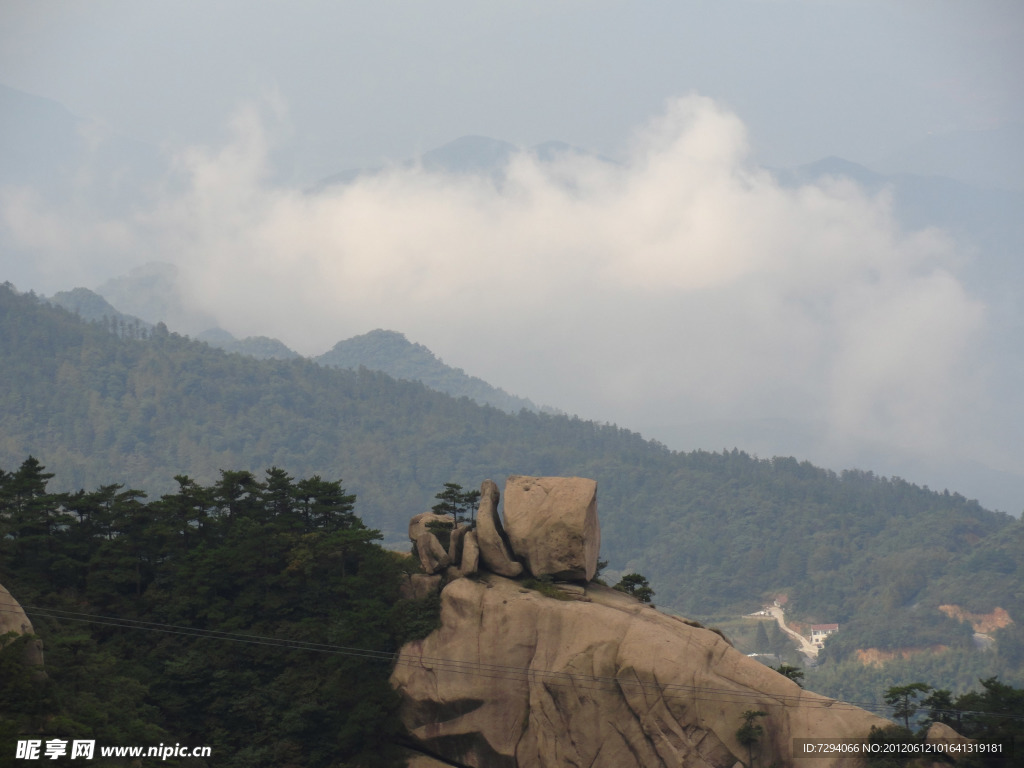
981 622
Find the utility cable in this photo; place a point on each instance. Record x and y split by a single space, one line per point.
475 668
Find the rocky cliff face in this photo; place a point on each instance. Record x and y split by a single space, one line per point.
517 677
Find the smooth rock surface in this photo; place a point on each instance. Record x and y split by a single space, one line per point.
455 544
13 619
433 558
470 561
494 552
940 733
418 524
532 681
552 525
423 761
417 586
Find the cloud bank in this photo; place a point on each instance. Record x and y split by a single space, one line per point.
682 286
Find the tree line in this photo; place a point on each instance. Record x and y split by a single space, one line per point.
992 716
217 614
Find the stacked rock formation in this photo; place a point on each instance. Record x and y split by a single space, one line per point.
515 678
552 530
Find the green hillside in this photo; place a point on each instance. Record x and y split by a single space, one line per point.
92 307
717 533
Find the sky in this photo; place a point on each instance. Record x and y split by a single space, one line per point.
679 290
364 81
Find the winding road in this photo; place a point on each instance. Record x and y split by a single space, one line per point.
806 647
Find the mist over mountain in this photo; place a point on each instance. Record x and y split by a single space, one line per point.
154 291
57 166
41 140
987 158
825 311
466 155
759 275
63 157
982 219
92 307
260 347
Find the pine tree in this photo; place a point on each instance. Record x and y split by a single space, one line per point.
456 502
903 700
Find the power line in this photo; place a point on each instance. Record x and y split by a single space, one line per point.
676 691
177 629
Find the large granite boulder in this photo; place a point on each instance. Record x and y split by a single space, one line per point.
455 543
415 760
513 678
552 525
495 554
469 563
418 586
940 733
13 619
433 558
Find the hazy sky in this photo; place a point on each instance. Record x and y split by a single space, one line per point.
362 81
681 292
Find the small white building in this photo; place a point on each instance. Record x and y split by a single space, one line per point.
820 631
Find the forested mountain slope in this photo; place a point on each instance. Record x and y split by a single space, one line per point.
716 532
92 307
393 354
155 288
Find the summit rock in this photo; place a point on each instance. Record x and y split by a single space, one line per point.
552 524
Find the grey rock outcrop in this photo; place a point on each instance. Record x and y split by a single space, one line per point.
552 524
513 678
494 551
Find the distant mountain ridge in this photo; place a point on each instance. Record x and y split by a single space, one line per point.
45 146
465 155
379 350
260 347
92 307
391 353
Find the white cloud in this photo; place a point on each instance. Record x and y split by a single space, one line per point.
682 285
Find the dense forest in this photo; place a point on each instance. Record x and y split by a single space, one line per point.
256 616
717 533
